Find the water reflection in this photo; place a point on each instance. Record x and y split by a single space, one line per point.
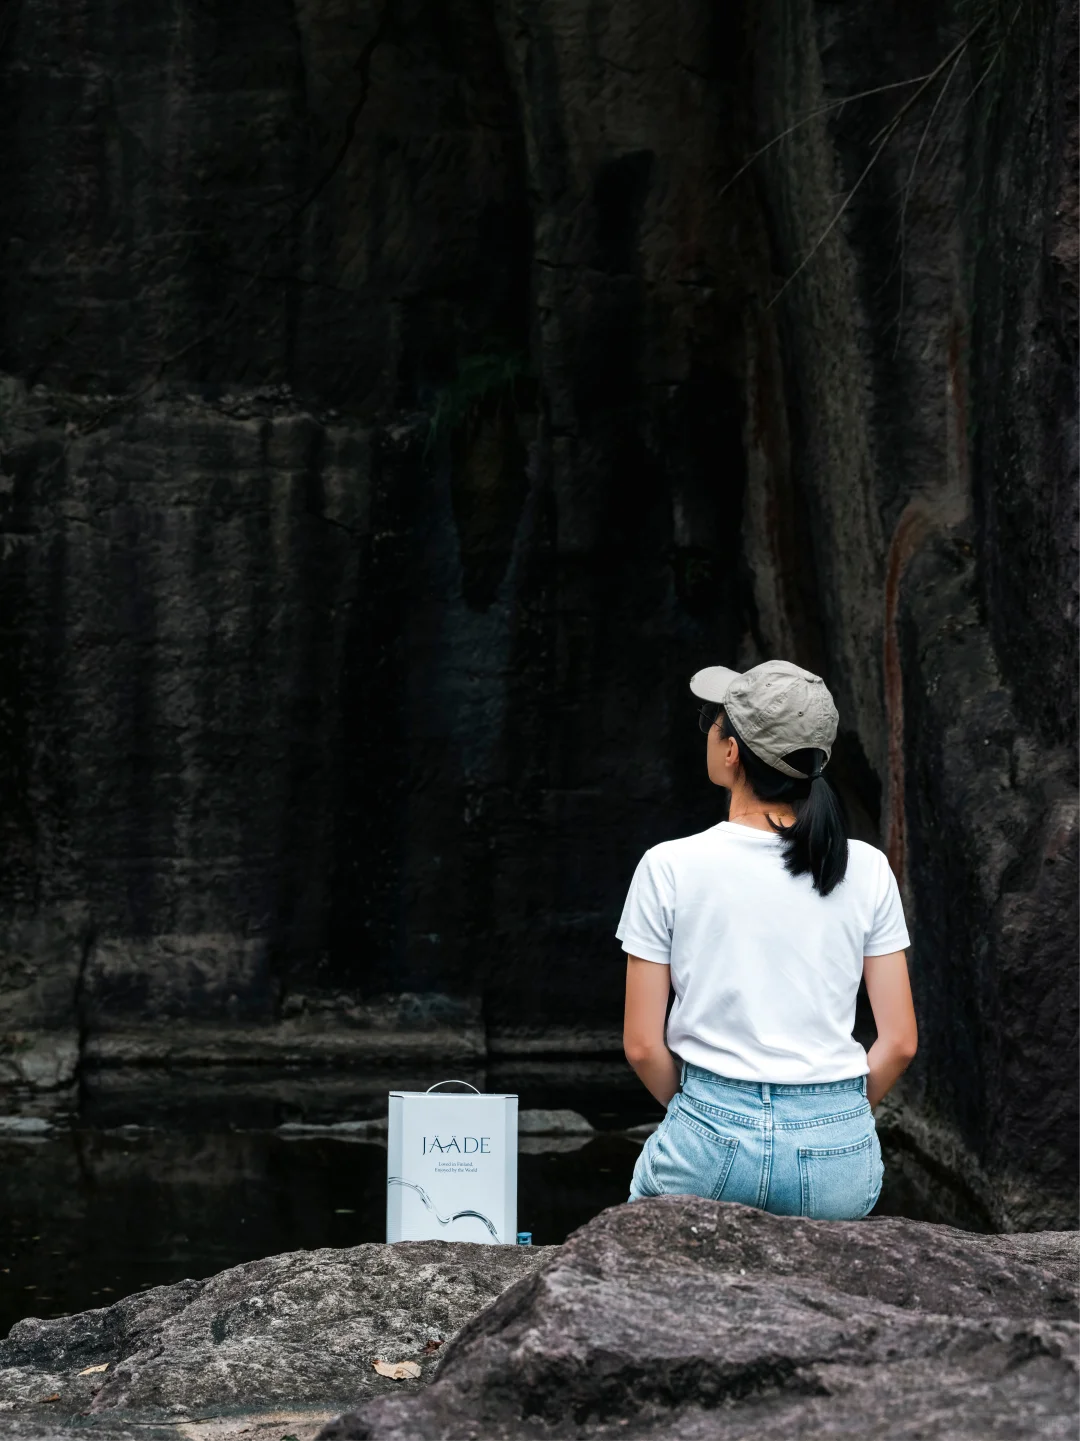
91 1216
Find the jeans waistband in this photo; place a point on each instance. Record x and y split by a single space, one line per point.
761 1088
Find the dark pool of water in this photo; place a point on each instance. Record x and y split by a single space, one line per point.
154 1179
101 1215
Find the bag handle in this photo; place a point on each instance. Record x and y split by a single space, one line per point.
453 1082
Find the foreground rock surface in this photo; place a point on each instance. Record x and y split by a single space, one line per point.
263 1346
691 1318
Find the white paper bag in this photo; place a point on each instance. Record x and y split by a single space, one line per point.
451 1167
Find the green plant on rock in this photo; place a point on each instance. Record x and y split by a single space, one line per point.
480 378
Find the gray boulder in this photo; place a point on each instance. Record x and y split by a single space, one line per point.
692 1318
271 1342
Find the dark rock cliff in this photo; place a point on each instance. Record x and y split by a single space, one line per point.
401 400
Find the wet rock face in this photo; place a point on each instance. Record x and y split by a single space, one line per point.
693 1318
180 579
299 1330
941 482
400 406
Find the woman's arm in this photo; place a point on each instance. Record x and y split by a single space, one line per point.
647 987
889 990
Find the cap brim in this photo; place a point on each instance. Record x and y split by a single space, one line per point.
713 683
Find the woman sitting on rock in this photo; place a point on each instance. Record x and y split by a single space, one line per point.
763 926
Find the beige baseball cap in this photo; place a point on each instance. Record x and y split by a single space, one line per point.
776 707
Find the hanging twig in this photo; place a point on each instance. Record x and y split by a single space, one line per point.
942 65
947 130
908 185
820 241
879 142
813 115
998 48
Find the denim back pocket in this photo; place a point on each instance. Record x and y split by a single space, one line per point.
685 1158
840 1183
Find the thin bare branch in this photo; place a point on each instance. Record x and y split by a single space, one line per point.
909 184
820 241
879 141
989 66
942 65
813 115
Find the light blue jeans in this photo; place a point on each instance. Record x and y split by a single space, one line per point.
793 1150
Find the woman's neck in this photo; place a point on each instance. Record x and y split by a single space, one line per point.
746 810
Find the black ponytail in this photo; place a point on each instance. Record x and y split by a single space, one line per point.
817 841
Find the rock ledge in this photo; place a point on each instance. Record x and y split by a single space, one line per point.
297 1331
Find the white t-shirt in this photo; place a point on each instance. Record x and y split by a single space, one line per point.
765 970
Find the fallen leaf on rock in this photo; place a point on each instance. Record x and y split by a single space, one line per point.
431 1346
92 1370
54 1397
397 1370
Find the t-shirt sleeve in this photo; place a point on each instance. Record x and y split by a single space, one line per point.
648 916
889 930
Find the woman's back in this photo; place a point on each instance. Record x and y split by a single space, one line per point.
765 969
761 925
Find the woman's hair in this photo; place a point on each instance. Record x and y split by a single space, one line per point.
817 842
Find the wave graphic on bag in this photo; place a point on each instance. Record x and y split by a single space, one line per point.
442 1220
